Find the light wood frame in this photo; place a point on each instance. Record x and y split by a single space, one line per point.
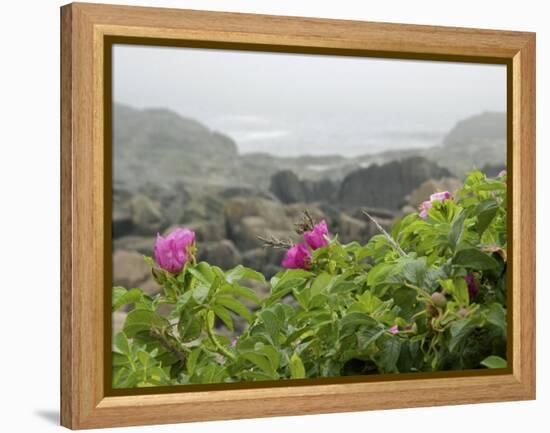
84 403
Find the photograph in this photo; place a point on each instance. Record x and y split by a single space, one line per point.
281 216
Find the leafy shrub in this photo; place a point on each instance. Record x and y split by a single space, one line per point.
430 296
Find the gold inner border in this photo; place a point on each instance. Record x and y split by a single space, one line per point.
109 41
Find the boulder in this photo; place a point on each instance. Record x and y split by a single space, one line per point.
141 244
146 216
427 188
286 186
208 231
223 254
122 224
386 185
129 269
247 218
352 229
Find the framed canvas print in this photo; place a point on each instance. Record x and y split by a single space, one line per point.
267 215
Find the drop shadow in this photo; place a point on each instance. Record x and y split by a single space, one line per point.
50 415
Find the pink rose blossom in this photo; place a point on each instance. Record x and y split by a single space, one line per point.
394 329
297 257
172 251
317 237
424 208
440 196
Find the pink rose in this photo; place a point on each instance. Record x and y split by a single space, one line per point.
297 257
172 251
318 237
440 196
424 208
394 329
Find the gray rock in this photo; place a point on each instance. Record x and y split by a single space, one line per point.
223 254
247 218
146 216
208 231
129 269
141 244
286 186
386 186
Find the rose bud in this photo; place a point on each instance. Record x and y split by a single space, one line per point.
424 208
318 237
440 196
439 299
174 250
297 257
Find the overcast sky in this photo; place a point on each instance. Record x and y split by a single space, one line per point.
261 97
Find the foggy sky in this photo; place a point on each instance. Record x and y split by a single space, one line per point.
246 93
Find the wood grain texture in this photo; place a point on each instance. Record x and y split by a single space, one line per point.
84 28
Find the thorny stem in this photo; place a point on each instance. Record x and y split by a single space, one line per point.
274 242
386 234
306 224
221 349
168 346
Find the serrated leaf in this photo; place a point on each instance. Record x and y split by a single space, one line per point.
457 229
389 353
122 344
122 297
242 273
235 306
497 316
236 289
224 315
474 259
142 320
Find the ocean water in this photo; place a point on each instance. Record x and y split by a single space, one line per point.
336 135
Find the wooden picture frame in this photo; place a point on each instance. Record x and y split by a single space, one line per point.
86 30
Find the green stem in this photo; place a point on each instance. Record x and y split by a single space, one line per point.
221 349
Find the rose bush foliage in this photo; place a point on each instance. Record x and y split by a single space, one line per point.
429 296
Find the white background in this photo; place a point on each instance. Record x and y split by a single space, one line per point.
29 215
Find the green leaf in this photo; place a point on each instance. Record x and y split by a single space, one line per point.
202 272
474 259
496 315
121 297
494 362
192 360
224 315
260 361
368 335
241 273
122 344
389 353
297 370
142 320
235 306
200 293
236 289
320 283
457 229
486 212
351 321
189 326
460 330
272 324
414 270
